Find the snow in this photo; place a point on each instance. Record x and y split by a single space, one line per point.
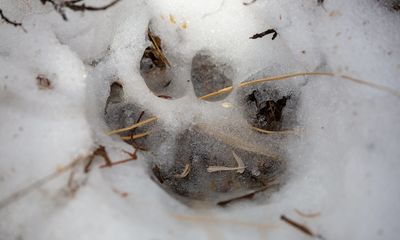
343 164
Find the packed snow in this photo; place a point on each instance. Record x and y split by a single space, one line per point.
342 165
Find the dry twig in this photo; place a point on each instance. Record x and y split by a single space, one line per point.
100 151
8 21
300 227
76 5
132 157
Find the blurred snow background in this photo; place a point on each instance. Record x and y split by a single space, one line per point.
345 165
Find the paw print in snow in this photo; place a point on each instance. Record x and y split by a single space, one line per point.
214 156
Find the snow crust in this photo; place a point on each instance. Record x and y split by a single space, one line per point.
344 165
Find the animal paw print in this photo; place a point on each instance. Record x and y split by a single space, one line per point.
215 159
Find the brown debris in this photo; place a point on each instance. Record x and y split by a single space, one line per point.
132 157
164 96
43 82
300 227
100 151
157 173
71 185
156 51
262 34
249 3
248 196
185 172
121 193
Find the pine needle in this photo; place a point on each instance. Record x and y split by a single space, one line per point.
212 220
283 77
345 77
274 132
240 168
136 125
373 85
211 169
216 93
136 136
158 49
239 162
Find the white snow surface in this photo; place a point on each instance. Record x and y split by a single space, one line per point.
345 164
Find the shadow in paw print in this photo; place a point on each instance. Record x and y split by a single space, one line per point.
155 67
121 114
210 75
269 106
207 169
203 164
268 110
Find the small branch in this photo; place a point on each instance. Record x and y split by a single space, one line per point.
74 6
100 151
8 21
164 96
132 157
262 34
300 227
